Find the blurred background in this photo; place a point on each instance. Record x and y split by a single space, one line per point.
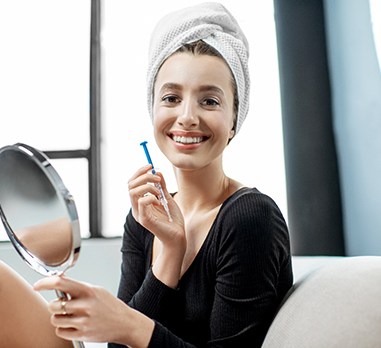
72 84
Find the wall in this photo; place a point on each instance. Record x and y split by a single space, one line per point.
98 263
356 90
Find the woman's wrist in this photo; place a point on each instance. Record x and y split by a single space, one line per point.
167 266
137 329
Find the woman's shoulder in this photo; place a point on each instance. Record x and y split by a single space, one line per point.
250 197
251 220
248 208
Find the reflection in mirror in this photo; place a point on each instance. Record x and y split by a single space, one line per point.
50 241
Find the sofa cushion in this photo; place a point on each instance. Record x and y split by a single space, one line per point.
337 305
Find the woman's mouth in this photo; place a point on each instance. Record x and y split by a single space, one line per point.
187 140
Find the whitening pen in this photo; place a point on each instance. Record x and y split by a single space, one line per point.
161 197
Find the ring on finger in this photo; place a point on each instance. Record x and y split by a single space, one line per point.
63 307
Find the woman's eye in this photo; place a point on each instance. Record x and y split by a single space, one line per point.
170 99
210 102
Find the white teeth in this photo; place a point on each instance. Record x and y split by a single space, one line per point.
187 140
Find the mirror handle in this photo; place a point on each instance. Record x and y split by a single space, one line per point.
64 297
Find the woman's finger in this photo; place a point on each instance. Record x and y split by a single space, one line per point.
140 171
69 334
61 283
67 321
148 207
61 307
143 190
145 176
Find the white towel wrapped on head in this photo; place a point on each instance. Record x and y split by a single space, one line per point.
214 24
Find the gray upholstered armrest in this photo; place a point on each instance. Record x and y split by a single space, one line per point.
338 305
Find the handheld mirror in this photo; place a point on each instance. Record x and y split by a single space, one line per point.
38 212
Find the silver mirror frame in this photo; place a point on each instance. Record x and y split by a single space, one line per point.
42 161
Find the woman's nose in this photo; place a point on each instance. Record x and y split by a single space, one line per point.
188 116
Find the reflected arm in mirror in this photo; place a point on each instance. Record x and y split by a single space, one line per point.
51 242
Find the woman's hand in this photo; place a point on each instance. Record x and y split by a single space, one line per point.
92 314
147 209
149 212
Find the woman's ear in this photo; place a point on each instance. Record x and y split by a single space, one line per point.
232 133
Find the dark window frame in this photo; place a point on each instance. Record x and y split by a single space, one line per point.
93 153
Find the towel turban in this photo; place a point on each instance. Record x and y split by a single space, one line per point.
214 24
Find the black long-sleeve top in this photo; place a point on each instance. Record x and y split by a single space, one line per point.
229 294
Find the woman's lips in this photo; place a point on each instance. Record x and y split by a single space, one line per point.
188 141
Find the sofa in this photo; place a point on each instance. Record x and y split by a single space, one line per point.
334 302
335 305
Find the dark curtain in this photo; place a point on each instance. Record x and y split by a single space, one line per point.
312 175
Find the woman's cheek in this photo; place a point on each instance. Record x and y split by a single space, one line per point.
161 126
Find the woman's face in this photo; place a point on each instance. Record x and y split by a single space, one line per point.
193 109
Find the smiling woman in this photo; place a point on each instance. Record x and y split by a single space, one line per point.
227 243
216 270
126 120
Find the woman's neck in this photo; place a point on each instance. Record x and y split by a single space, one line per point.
202 189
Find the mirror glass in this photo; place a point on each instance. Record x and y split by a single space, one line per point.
37 210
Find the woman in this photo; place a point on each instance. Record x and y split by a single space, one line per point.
216 272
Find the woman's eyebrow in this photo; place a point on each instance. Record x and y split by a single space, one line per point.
211 88
169 86
203 88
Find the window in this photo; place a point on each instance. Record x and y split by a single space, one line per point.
44 86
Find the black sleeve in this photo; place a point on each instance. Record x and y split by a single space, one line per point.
138 286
